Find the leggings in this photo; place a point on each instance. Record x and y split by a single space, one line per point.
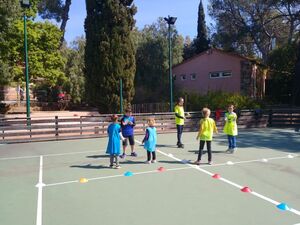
208 145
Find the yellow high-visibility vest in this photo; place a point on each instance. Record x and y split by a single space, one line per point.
230 127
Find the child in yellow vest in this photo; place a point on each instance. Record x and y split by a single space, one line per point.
206 130
230 128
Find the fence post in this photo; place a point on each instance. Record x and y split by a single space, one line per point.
56 126
270 117
80 125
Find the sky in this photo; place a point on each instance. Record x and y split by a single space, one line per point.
148 12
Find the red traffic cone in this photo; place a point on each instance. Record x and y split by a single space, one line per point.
161 169
246 189
216 176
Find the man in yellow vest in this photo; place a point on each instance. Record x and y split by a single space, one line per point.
179 120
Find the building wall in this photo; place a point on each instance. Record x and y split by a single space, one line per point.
202 65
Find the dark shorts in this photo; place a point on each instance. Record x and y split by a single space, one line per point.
130 138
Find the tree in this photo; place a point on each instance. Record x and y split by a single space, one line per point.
109 53
45 59
74 70
201 43
251 27
282 62
55 9
152 80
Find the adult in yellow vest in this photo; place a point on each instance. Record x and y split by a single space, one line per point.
179 120
230 128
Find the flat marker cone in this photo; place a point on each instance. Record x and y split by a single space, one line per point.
283 206
216 176
246 189
229 163
161 169
290 156
264 160
83 180
128 174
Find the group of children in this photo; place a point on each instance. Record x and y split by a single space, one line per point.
125 132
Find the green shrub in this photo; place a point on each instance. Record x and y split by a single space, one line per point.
219 100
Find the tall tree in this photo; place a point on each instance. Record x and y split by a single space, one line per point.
252 26
151 80
57 10
74 69
201 43
109 53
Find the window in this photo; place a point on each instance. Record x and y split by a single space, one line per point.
183 77
220 74
193 76
214 75
226 74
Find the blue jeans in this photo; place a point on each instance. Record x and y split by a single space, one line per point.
179 133
231 141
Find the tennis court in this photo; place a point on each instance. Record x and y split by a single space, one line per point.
259 184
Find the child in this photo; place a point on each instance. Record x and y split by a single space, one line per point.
179 120
150 141
127 125
206 129
230 128
113 147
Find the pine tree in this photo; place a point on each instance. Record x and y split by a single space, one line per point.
201 43
109 53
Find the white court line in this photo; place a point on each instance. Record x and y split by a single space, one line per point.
115 176
229 182
40 186
58 154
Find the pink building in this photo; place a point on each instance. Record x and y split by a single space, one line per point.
216 70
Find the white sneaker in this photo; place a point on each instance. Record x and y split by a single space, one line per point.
233 150
229 150
153 161
148 162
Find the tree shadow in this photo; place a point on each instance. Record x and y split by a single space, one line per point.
285 140
172 162
205 151
166 146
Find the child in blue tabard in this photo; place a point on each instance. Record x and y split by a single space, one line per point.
150 141
113 147
127 125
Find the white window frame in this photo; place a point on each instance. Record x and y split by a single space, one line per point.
183 77
220 74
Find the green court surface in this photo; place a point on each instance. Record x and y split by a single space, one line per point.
39 183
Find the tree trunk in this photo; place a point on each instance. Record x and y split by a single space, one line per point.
65 17
296 89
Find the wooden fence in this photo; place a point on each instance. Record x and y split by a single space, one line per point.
284 118
43 129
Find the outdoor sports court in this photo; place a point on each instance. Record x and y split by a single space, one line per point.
70 183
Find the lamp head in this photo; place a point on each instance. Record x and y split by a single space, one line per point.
25 3
170 20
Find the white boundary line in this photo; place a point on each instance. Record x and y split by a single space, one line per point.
58 154
115 176
229 182
40 186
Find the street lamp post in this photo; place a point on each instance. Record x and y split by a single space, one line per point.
171 21
26 4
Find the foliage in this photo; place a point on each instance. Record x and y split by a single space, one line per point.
152 59
282 62
109 53
74 70
201 42
219 100
251 27
45 60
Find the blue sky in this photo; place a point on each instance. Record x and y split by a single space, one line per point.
186 12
